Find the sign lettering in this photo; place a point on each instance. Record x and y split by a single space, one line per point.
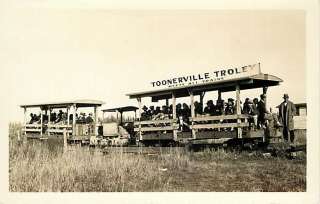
209 77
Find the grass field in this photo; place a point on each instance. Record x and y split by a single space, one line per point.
44 167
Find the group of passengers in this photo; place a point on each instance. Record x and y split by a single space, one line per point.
255 109
60 118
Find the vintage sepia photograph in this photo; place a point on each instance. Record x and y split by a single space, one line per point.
155 100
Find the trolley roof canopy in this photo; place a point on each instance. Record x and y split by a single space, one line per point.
121 109
65 104
250 82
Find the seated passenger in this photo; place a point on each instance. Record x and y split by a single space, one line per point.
64 117
83 117
179 115
151 110
32 118
45 119
145 114
38 118
249 109
157 111
197 108
186 113
255 109
179 110
53 116
89 119
170 110
246 106
219 110
210 108
165 110
229 110
70 118
162 115
59 117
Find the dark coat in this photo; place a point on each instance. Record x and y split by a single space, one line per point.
290 111
262 110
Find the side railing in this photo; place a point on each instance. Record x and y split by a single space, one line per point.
32 128
59 128
156 125
219 122
84 129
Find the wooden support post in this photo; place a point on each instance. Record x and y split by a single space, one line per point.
65 142
174 116
192 113
167 102
117 116
201 100
74 120
25 120
68 113
238 110
95 125
219 94
139 117
121 117
219 99
264 92
41 121
49 120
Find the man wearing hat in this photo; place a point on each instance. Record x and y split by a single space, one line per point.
89 119
145 113
209 109
286 112
262 110
229 110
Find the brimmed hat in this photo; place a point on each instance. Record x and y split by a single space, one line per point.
144 107
285 96
230 99
210 101
249 101
263 96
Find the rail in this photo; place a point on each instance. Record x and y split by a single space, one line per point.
218 117
32 128
155 122
221 121
156 125
163 128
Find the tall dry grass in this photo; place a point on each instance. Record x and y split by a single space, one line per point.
43 166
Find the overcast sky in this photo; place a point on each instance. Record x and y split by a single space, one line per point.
62 54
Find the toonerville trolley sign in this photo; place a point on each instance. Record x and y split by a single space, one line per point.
209 77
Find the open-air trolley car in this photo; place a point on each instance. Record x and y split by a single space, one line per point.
201 129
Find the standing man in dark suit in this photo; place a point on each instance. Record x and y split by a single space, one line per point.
286 112
262 110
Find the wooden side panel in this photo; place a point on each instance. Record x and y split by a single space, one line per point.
219 117
149 122
154 136
145 129
58 131
221 125
216 134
